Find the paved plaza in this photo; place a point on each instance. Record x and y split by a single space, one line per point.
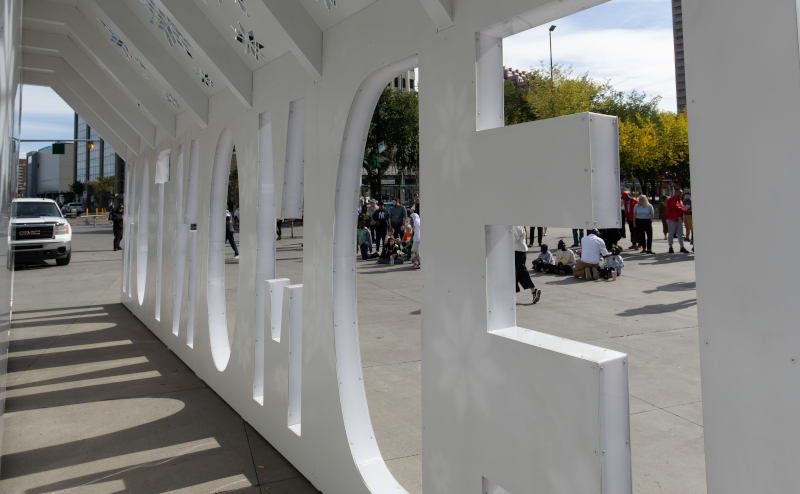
97 404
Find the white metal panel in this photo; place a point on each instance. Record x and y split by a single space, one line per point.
265 260
159 249
293 321
142 232
749 345
337 450
292 206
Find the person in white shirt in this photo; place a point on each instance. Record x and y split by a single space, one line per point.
415 246
594 250
520 254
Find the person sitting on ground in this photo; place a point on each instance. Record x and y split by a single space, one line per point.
594 249
613 262
544 260
564 260
364 239
391 253
408 232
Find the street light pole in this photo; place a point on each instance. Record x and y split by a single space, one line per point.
552 28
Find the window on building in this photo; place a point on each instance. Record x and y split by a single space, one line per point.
94 156
109 160
411 83
81 154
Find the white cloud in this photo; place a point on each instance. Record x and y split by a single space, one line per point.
44 116
39 100
640 59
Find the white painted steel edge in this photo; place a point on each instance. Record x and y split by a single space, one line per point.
142 233
159 249
292 320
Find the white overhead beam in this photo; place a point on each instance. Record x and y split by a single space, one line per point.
48 79
162 64
84 32
236 75
85 92
440 11
301 32
95 77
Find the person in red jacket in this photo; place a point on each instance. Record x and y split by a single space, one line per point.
674 214
628 204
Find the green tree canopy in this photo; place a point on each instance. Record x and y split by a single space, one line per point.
398 113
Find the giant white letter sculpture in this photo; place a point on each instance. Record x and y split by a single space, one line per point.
506 409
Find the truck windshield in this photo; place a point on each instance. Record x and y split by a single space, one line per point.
34 209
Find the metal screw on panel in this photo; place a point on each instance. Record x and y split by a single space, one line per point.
479 113
624 362
490 312
595 451
692 101
794 360
707 343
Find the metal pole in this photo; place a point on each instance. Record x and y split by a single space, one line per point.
292 228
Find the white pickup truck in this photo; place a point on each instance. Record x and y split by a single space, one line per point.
39 231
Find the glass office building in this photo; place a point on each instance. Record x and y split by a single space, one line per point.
101 161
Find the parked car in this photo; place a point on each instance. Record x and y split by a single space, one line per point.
39 231
73 205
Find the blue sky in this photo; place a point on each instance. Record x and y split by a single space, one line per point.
44 116
627 41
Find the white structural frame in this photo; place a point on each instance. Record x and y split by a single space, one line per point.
484 426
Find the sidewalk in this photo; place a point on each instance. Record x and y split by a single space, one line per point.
96 403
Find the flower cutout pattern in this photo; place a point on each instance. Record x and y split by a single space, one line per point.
171 99
204 77
329 3
251 46
117 41
170 30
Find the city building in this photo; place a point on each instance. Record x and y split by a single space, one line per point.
21 177
518 77
96 159
404 81
680 71
48 174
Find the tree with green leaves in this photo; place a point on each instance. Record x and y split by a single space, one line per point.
77 188
397 112
102 187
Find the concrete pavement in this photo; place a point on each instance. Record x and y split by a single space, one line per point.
96 403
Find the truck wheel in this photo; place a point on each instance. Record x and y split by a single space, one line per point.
64 261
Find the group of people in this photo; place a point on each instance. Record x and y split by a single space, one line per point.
600 256
396 229
675 213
